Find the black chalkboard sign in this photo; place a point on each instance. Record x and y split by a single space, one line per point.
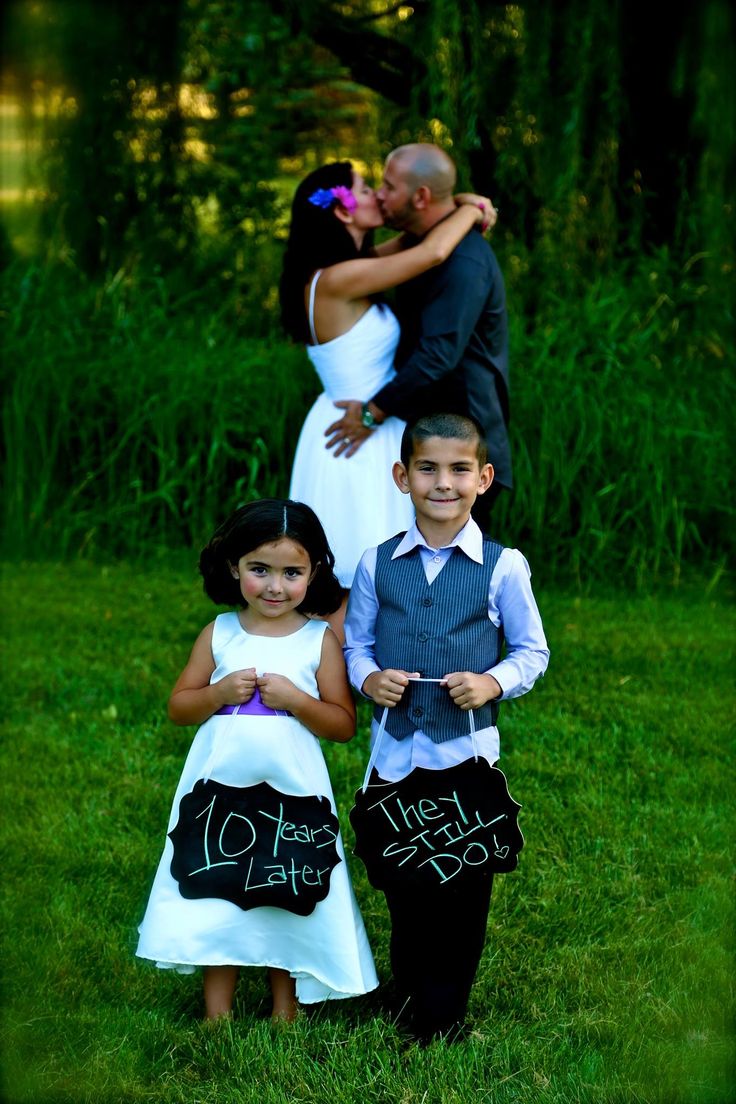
254 846
437 827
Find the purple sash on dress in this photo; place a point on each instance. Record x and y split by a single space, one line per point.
254 708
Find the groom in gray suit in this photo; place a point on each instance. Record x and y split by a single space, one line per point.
453 354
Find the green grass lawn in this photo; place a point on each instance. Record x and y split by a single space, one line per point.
608 969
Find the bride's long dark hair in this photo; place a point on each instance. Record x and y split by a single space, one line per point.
316 239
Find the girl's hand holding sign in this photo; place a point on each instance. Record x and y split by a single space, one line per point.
237 688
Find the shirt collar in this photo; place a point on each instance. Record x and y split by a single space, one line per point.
469 540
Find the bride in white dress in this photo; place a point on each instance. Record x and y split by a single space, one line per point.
330 291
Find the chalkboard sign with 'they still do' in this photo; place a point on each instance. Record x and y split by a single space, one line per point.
437 827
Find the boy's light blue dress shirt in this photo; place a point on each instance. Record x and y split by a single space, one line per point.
511 605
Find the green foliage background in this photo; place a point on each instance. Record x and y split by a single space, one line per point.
148 388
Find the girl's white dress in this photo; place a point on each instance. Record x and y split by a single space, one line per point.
356 499
327 952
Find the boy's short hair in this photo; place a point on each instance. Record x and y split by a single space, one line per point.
448 426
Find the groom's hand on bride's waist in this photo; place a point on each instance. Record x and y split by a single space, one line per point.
348 434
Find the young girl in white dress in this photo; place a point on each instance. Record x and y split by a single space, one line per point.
265 683
330 292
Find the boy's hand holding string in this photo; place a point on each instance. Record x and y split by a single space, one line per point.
387 687
470 690
467 689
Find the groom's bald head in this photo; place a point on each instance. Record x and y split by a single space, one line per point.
423 164
418 182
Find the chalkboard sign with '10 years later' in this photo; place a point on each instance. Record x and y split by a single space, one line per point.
254 846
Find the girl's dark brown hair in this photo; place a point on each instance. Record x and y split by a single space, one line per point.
262 522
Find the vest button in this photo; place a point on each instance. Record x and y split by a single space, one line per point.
417 711
426 601
422 636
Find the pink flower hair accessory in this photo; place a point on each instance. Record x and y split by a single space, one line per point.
325 197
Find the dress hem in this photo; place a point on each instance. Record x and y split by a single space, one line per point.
298 975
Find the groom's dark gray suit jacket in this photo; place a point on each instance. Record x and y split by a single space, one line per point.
453 354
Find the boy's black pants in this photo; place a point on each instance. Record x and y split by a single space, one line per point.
437 938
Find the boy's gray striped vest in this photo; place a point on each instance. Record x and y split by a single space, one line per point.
435 630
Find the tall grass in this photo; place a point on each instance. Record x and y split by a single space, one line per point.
135 416
133 421
621 399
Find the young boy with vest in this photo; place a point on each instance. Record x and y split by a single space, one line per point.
441 602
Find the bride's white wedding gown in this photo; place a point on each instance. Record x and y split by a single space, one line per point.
356 498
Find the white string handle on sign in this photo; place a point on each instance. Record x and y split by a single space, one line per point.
376 747
382 728
219 743
222 735
471 718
